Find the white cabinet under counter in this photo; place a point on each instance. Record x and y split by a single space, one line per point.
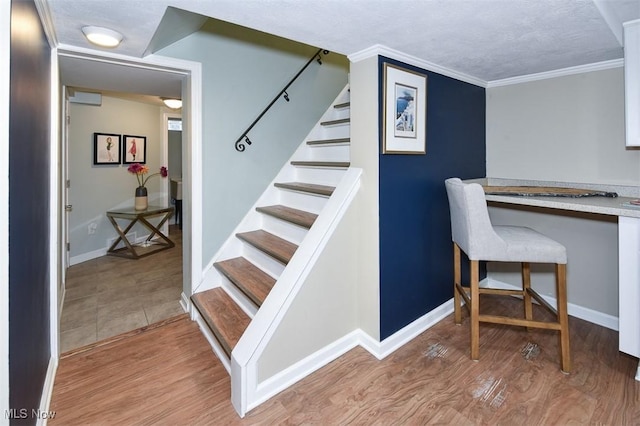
632 81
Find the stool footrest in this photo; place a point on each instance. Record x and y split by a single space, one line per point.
521 322
542 302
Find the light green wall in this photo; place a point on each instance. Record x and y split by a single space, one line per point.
242 71
97 189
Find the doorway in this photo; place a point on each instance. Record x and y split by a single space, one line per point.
189 75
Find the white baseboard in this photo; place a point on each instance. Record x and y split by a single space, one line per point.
304 367
43 413
83 257
401 337
329 353
185 302
74 260
590 315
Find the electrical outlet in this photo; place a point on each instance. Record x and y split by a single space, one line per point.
91 229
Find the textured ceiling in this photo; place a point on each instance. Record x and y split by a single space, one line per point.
484 39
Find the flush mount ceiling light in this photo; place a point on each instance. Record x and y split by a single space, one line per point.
102 36
172 103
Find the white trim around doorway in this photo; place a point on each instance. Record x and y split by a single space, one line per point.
192 135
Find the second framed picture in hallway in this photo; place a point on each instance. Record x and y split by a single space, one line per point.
134 149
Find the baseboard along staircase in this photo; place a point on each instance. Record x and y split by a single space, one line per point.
239 292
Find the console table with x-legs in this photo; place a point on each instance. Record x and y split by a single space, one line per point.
149 245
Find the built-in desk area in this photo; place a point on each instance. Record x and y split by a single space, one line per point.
628 241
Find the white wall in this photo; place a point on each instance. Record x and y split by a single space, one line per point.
313 322
565 129
364 154
97 189
568 129
243 70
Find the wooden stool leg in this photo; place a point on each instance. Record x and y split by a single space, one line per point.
526 285
563 317
475 310
456 282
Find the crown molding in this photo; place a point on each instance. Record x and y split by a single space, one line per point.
47 22
381 50
598 66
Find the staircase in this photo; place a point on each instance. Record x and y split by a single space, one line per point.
253 262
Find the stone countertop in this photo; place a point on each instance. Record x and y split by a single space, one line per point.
599 205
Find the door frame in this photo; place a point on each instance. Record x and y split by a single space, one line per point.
192 176
164 156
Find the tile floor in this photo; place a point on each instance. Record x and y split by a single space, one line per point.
112 295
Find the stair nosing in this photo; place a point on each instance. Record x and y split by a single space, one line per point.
322 164
284 259
269 210
336 122
211 324
329 141
299 186
225 267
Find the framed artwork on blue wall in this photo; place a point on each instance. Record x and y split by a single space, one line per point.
106 148
134 149
404 111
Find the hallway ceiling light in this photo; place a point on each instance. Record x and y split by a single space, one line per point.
102 36
172 103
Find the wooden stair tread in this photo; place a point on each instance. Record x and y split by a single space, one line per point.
342 105
336 164
329 141
336 122
223 316
250 279
307 187
295 216
276 247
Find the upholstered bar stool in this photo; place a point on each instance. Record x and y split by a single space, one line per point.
473 233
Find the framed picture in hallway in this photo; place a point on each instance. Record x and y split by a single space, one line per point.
106 148
404 111
134 149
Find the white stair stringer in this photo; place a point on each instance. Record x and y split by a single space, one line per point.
247 391
283 306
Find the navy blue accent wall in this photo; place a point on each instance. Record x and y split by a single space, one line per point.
416 261
29 164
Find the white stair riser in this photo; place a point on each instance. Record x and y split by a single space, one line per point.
330 132
262 260
328 153
282 229
319 175
302 201
239 297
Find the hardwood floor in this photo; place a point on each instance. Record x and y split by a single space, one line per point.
168 375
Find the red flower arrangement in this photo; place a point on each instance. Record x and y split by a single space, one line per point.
139 170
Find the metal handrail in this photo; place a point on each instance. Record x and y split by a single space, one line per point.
240 143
